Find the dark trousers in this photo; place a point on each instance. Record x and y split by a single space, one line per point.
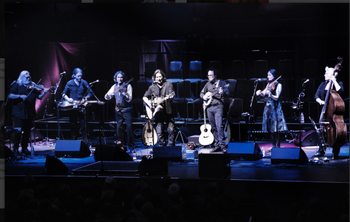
21 125
162 119
120 117
215 120
75 126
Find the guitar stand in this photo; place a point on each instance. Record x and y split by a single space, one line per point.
179 133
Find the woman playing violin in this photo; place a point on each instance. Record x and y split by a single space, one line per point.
23 109
273 117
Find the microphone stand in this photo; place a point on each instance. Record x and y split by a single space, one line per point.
299 107
102 169
252 111
58 108
152 118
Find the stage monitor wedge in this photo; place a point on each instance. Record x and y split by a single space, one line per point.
288 155
111 153
170 153
247 150
72 148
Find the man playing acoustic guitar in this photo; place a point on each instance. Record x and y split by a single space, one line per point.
213 94
154 99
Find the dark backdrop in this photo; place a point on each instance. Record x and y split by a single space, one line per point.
47 39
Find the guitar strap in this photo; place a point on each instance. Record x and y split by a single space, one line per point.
216 90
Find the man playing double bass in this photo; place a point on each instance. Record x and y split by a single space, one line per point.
320 97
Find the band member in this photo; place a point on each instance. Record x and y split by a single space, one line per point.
123 95
215 90
77 90
23 94
273 117
161 88
321 95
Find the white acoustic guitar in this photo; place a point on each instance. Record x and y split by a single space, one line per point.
206 137
156 105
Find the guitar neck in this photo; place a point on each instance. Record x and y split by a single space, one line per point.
205 118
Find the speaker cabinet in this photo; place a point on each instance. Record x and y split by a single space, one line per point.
170 153
149 167
71 148
214 165
111 153
248 151
55 166
288 155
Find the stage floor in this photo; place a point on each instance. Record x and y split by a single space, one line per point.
324 170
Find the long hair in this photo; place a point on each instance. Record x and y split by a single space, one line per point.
21 77
76 71
156 72
117 73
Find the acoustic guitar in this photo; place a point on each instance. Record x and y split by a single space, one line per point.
155 105
206 137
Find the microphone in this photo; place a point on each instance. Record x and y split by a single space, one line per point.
62 73
306 81
258 80
94 82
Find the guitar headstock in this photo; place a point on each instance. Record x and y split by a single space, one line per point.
171 95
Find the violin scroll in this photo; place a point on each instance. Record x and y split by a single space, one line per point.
338 67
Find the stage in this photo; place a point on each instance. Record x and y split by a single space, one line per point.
317 170
253 189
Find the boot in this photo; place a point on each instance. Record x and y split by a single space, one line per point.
15 151
277 139
320 152
25 151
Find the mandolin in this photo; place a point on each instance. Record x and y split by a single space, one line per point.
149 134
210 94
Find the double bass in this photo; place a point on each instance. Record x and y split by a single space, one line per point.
331 118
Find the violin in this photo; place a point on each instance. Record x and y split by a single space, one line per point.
120 88
37 87
270 87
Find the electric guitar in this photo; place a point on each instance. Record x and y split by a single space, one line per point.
206 137
210 94
155 103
